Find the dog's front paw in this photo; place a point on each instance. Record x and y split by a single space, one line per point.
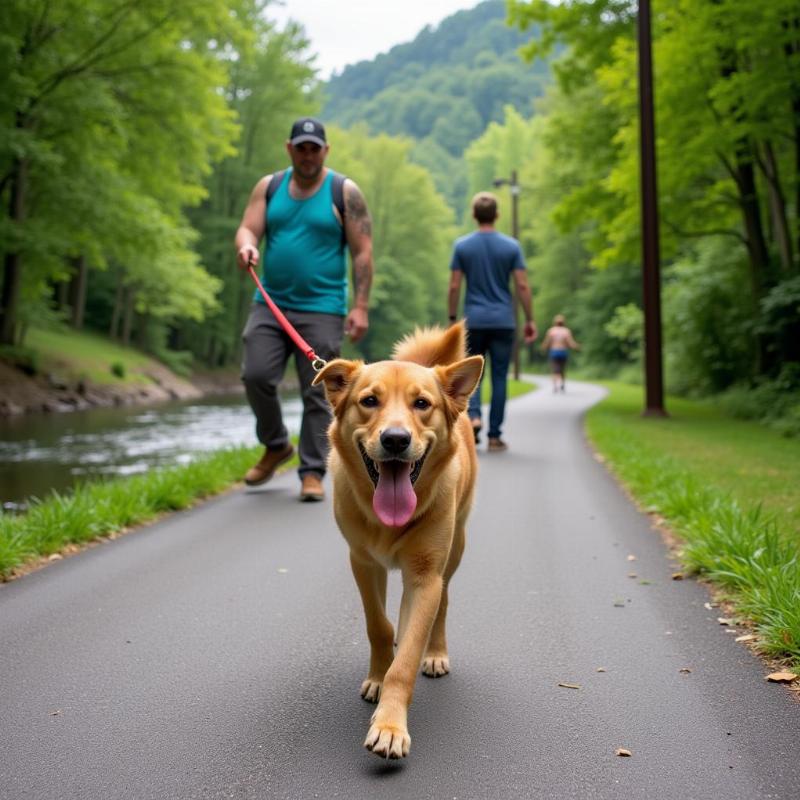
435 666
388 741
371 690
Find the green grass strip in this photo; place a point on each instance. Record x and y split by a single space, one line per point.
748 546
96 509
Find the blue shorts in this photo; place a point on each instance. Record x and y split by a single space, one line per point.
558 360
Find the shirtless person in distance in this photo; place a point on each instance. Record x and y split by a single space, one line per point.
557 343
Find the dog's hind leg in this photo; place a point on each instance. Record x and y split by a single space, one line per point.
436 661
371 580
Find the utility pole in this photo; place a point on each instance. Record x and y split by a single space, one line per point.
651 281
514 187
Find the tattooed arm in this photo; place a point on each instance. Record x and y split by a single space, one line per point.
358 227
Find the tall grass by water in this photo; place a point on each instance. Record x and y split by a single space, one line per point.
697 470
98 509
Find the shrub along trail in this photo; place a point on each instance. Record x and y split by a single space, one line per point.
219 653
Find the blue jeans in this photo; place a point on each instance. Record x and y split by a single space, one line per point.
498 343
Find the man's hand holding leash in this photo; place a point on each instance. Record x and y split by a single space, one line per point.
247 256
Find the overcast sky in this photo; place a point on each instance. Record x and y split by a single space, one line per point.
346 31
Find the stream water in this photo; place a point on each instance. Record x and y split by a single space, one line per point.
43 452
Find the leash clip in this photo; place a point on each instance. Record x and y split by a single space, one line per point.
318 364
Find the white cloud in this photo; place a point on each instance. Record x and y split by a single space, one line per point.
343 33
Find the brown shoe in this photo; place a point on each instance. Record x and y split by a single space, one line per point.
497 445
266 467
311 490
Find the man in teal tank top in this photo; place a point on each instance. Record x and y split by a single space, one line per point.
304 272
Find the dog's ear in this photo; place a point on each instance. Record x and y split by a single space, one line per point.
460 379
337 376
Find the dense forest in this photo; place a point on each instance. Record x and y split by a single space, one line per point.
727 95
132 132
442 90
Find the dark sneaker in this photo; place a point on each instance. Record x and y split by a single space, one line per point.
270 461
497 445
476 429
311 490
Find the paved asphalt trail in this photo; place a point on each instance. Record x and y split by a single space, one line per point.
219 654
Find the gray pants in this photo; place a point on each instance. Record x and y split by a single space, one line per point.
266 352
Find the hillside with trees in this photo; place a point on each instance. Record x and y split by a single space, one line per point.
442 90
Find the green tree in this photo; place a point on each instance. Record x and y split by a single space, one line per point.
109 119
412 234
727 118
269 85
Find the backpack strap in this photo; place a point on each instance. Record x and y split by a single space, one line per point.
337 190
274 184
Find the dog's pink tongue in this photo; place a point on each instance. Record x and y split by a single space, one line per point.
394 500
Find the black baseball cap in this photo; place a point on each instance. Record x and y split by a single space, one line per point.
308 129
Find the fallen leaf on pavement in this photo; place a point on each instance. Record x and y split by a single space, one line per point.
782 677
724 621
684 669
619 603
282 570
570 685
621 751
632 575
677 576
601 669
748 637
709 606
631 558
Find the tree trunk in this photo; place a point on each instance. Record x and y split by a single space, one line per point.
116 313
796 107
743 173
12 263
61 295
140 330
127 316
777 204
751 215
792 49
79 292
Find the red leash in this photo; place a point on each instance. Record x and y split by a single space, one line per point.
305 348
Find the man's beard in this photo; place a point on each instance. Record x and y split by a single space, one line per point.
309 173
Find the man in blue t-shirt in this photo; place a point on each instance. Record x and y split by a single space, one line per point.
305 275
488 259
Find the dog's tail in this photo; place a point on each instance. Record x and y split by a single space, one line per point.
432 346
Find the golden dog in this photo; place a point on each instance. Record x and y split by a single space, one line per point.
403 466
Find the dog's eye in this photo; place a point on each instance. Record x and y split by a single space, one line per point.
421 403
370 401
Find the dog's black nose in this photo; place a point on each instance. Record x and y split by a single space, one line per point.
395 440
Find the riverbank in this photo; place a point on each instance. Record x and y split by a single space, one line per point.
67 371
